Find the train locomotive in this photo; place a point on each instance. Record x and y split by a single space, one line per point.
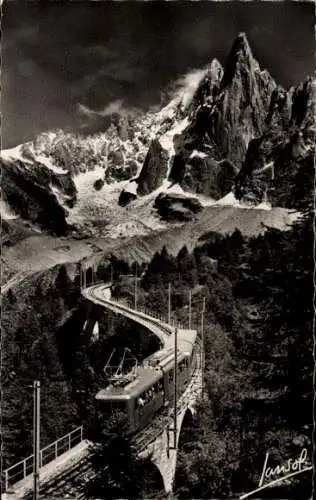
152 387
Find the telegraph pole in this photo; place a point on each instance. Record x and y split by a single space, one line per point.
169 303
136 287
36 437
92 274
84 275
190 308
175 387
202 344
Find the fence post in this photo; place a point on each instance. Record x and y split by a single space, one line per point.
81 429
41 459
56 448
24 469
6 480
69 440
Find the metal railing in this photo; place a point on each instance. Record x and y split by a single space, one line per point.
152 314
144 310
24 468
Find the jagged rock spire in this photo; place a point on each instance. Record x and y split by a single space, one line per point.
240 55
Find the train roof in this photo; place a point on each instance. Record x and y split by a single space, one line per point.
186 340
152 369
145 378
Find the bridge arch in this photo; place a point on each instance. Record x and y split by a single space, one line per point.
162 450
187 422
153 478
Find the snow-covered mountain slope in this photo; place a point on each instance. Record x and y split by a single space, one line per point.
227 133
63 179
238 121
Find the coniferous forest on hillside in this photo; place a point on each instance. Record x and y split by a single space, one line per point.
259 361
161 155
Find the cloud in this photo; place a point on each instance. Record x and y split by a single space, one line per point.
187 84
114 107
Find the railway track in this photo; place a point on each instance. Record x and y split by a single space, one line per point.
68 484
155 325
72 482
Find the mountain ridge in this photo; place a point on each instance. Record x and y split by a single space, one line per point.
231 129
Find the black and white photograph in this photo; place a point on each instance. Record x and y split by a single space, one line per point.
157 249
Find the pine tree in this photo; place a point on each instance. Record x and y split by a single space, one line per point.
119 473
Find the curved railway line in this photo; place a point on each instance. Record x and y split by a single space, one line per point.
71 482
100 294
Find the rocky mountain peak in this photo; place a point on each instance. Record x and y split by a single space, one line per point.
303 103
240 58
216 71
241 45
228 110
207 89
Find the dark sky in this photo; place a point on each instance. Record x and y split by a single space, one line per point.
57 55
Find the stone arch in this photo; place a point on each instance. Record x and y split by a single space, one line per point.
187 422
153 477
161 451
89 275
95 332
91 329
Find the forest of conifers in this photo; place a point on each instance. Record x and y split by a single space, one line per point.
259 362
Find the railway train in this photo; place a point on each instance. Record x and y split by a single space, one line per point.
152 387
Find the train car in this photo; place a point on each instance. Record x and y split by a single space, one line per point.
138 399
152 387
151 390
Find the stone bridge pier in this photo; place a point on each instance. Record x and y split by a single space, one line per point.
162 449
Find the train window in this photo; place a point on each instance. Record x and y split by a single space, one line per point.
145 397
107 407
150 394
140 402
118 405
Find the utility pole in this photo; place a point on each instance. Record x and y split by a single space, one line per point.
175 387
84 275
36 437
136 288
202 344
169 303
190 308
80 270
94 273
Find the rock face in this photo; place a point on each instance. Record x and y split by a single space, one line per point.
208 87
243 132
228 109
154 170
234 130
243 101
206 176
33 194
232 111
281 159
176 207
